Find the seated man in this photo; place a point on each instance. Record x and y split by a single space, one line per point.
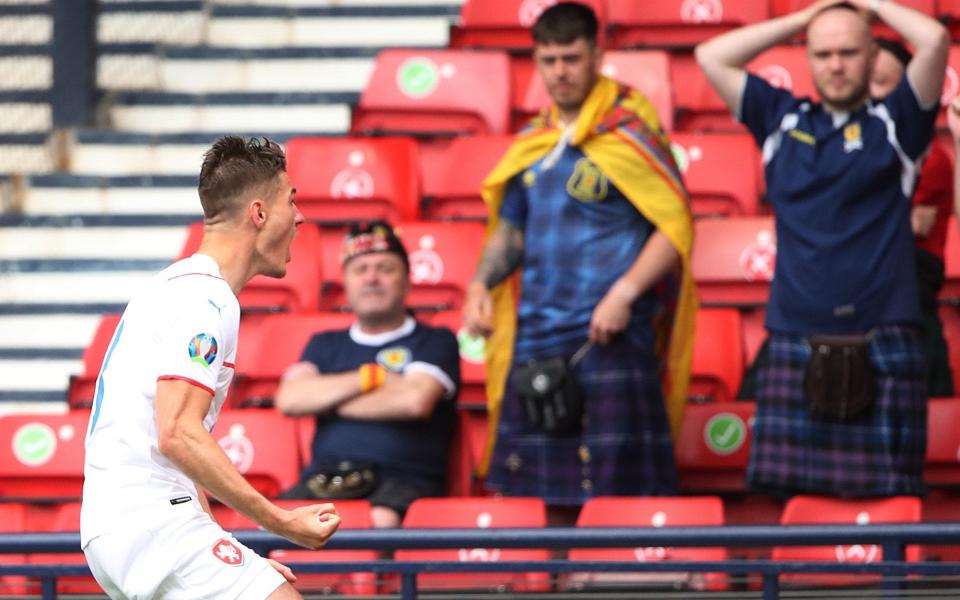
383 391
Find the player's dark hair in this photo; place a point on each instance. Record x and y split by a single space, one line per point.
564 23
233 168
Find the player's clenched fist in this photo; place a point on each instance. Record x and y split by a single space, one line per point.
311 526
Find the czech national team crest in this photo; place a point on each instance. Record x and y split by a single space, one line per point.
228 553
394 358
202 349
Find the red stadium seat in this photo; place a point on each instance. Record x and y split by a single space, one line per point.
754 332
349 179
783 7
469 444
297 291
443 257
679 22
821 510
785 67
62 518
951 254
942 466
505 24
41 455
283 339
453 177
430 93
482 513
714 447
646 70
698 106
950 316
354 514
721 172
262 444
718 355
733 260
473 378
13 519
651 512
82 387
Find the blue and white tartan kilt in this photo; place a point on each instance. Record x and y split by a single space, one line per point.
624 448
879 454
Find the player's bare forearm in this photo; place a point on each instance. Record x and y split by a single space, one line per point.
502 254
181 437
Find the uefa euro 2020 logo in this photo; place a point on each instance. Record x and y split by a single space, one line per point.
203 349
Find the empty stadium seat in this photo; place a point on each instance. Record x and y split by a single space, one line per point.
721 172
443 257
83 387
482 513
650 512
505 24
821 510
679 22
646 70
262 444
429 93
452 178
62 518
349 179
467 449
733 260
41 455
714 447
942 466
354 514
297 291
697 105
13 519
754 332
282 340
718 356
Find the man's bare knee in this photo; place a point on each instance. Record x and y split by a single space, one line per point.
285 592
384 518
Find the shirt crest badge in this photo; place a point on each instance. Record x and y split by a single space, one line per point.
588 183
394 358
852 138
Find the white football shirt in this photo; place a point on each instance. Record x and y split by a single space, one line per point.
183 325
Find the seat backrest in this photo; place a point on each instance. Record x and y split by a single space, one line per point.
714 446
354 178
297 291
824 510
721 172
785 67
950 317
262 444
951 256
435 92
452 178
282 338
942 465
476 512
443 257
679 22
718 355
733 260
698 106
505 24
645 70
41 455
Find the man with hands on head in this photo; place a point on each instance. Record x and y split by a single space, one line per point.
840 176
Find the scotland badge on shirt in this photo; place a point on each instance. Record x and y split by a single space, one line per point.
852 138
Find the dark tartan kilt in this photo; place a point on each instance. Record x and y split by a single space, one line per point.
623 449
879 454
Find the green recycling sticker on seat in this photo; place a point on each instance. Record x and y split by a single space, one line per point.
418 77
34 444
725 433
471 346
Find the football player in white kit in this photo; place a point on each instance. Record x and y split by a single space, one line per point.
145 525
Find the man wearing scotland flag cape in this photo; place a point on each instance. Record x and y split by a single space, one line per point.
588 209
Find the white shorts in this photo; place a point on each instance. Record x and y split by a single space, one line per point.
187 558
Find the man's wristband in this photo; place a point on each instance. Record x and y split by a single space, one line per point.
372 376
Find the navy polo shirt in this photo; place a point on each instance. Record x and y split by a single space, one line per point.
404 449
840 184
